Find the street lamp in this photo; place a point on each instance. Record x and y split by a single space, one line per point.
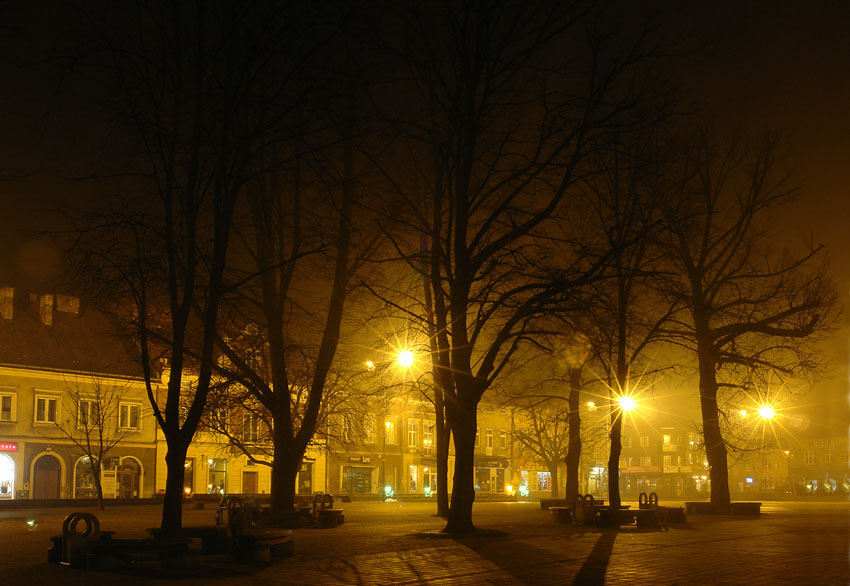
766 412
405 358
626 402
387 425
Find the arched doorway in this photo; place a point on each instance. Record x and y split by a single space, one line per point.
129 479
7 477
46 478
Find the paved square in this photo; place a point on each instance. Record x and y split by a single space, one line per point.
400 543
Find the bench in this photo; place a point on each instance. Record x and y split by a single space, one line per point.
738 508
642 518
70 547
108 553
561 514
214 538
260 545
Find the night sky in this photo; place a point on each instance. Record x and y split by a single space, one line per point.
760 66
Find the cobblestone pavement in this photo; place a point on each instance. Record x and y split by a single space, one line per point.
400 543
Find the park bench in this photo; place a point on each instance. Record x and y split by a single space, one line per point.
214 538
324 513
586 509
70 547
665 514
260 545
561 514
738 508
109 553
546 504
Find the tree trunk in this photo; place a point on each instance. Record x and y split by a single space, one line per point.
614 463
463 422
98 485
172 505
553 471
715 448
573 458
443 437
285 467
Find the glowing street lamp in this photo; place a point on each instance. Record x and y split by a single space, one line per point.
370 365
626 403
405 358
766 412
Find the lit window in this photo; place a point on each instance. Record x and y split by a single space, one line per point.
646 461
389 426
412 432
503 439
668 439
369 429
45 409
810 457
477 437
489 438
129 415
644 441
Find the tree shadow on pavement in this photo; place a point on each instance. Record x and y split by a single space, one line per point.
592 572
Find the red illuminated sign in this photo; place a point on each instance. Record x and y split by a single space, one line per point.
8 447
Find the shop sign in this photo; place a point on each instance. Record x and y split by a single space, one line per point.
360 459
8 447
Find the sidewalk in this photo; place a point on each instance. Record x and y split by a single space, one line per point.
400 543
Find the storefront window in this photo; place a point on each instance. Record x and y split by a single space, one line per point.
84 479
7 477
544 481
482 479
217 482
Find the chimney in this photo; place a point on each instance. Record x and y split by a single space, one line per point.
46 309
7 302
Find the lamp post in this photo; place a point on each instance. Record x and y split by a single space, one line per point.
384 459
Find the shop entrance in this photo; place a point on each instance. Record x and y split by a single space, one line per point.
7 477
356 480
129 475
46 474
305 478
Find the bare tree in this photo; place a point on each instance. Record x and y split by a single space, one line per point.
495 185
199 89
92 421
750 307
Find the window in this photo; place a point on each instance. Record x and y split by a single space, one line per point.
88 414
412 432
389 427
810 457
626 441
503 439
45 409
489 438
644 441
668 439
827 457
128 415
477 437
646 461
250 427
7 406
428 438
668 460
